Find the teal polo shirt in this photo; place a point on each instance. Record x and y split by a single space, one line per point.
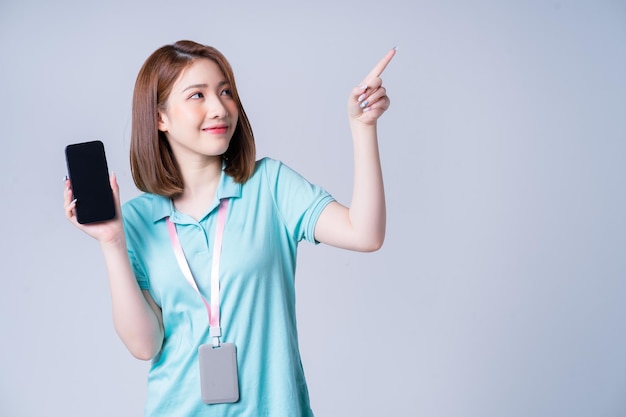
267 217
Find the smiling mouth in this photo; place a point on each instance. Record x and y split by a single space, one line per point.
216 129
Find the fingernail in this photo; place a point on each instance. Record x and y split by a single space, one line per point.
395 48
367 109
364 104
361 97
363 87
74 201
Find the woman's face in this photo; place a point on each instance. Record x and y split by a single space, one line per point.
200 115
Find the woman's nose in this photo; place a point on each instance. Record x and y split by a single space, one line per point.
216 108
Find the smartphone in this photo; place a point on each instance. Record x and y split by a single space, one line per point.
89 177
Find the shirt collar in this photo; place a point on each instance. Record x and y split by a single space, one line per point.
227 188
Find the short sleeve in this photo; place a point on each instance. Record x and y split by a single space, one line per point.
299 203
132 242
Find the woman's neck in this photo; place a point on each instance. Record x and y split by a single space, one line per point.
201 178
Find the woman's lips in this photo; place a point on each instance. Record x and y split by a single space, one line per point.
218 130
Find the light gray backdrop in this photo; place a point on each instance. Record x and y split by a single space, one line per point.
501 287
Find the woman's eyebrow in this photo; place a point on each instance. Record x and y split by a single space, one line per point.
200 86
195 86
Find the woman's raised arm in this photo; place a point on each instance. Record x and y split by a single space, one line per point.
361 226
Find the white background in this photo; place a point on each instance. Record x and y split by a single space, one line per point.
501 288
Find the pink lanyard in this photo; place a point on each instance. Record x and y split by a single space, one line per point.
213 309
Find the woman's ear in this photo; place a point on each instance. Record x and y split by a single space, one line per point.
161 121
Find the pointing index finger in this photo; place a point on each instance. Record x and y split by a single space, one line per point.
382 64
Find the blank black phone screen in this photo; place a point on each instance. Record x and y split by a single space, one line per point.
89 176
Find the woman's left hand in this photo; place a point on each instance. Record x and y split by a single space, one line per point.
369 100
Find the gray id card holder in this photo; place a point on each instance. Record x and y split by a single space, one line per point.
218 373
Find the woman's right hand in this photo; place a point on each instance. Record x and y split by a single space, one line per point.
105 232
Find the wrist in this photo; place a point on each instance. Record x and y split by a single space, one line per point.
360 129
113 243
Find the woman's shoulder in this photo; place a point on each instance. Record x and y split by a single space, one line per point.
265 168
266 162
144 206
278 174
139 201
270 167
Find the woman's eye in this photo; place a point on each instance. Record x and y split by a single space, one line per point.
227 92
197 95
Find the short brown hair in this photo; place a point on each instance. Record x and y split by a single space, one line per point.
152 162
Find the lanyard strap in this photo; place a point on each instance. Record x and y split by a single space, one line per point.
213 309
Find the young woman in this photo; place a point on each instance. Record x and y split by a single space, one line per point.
193 156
